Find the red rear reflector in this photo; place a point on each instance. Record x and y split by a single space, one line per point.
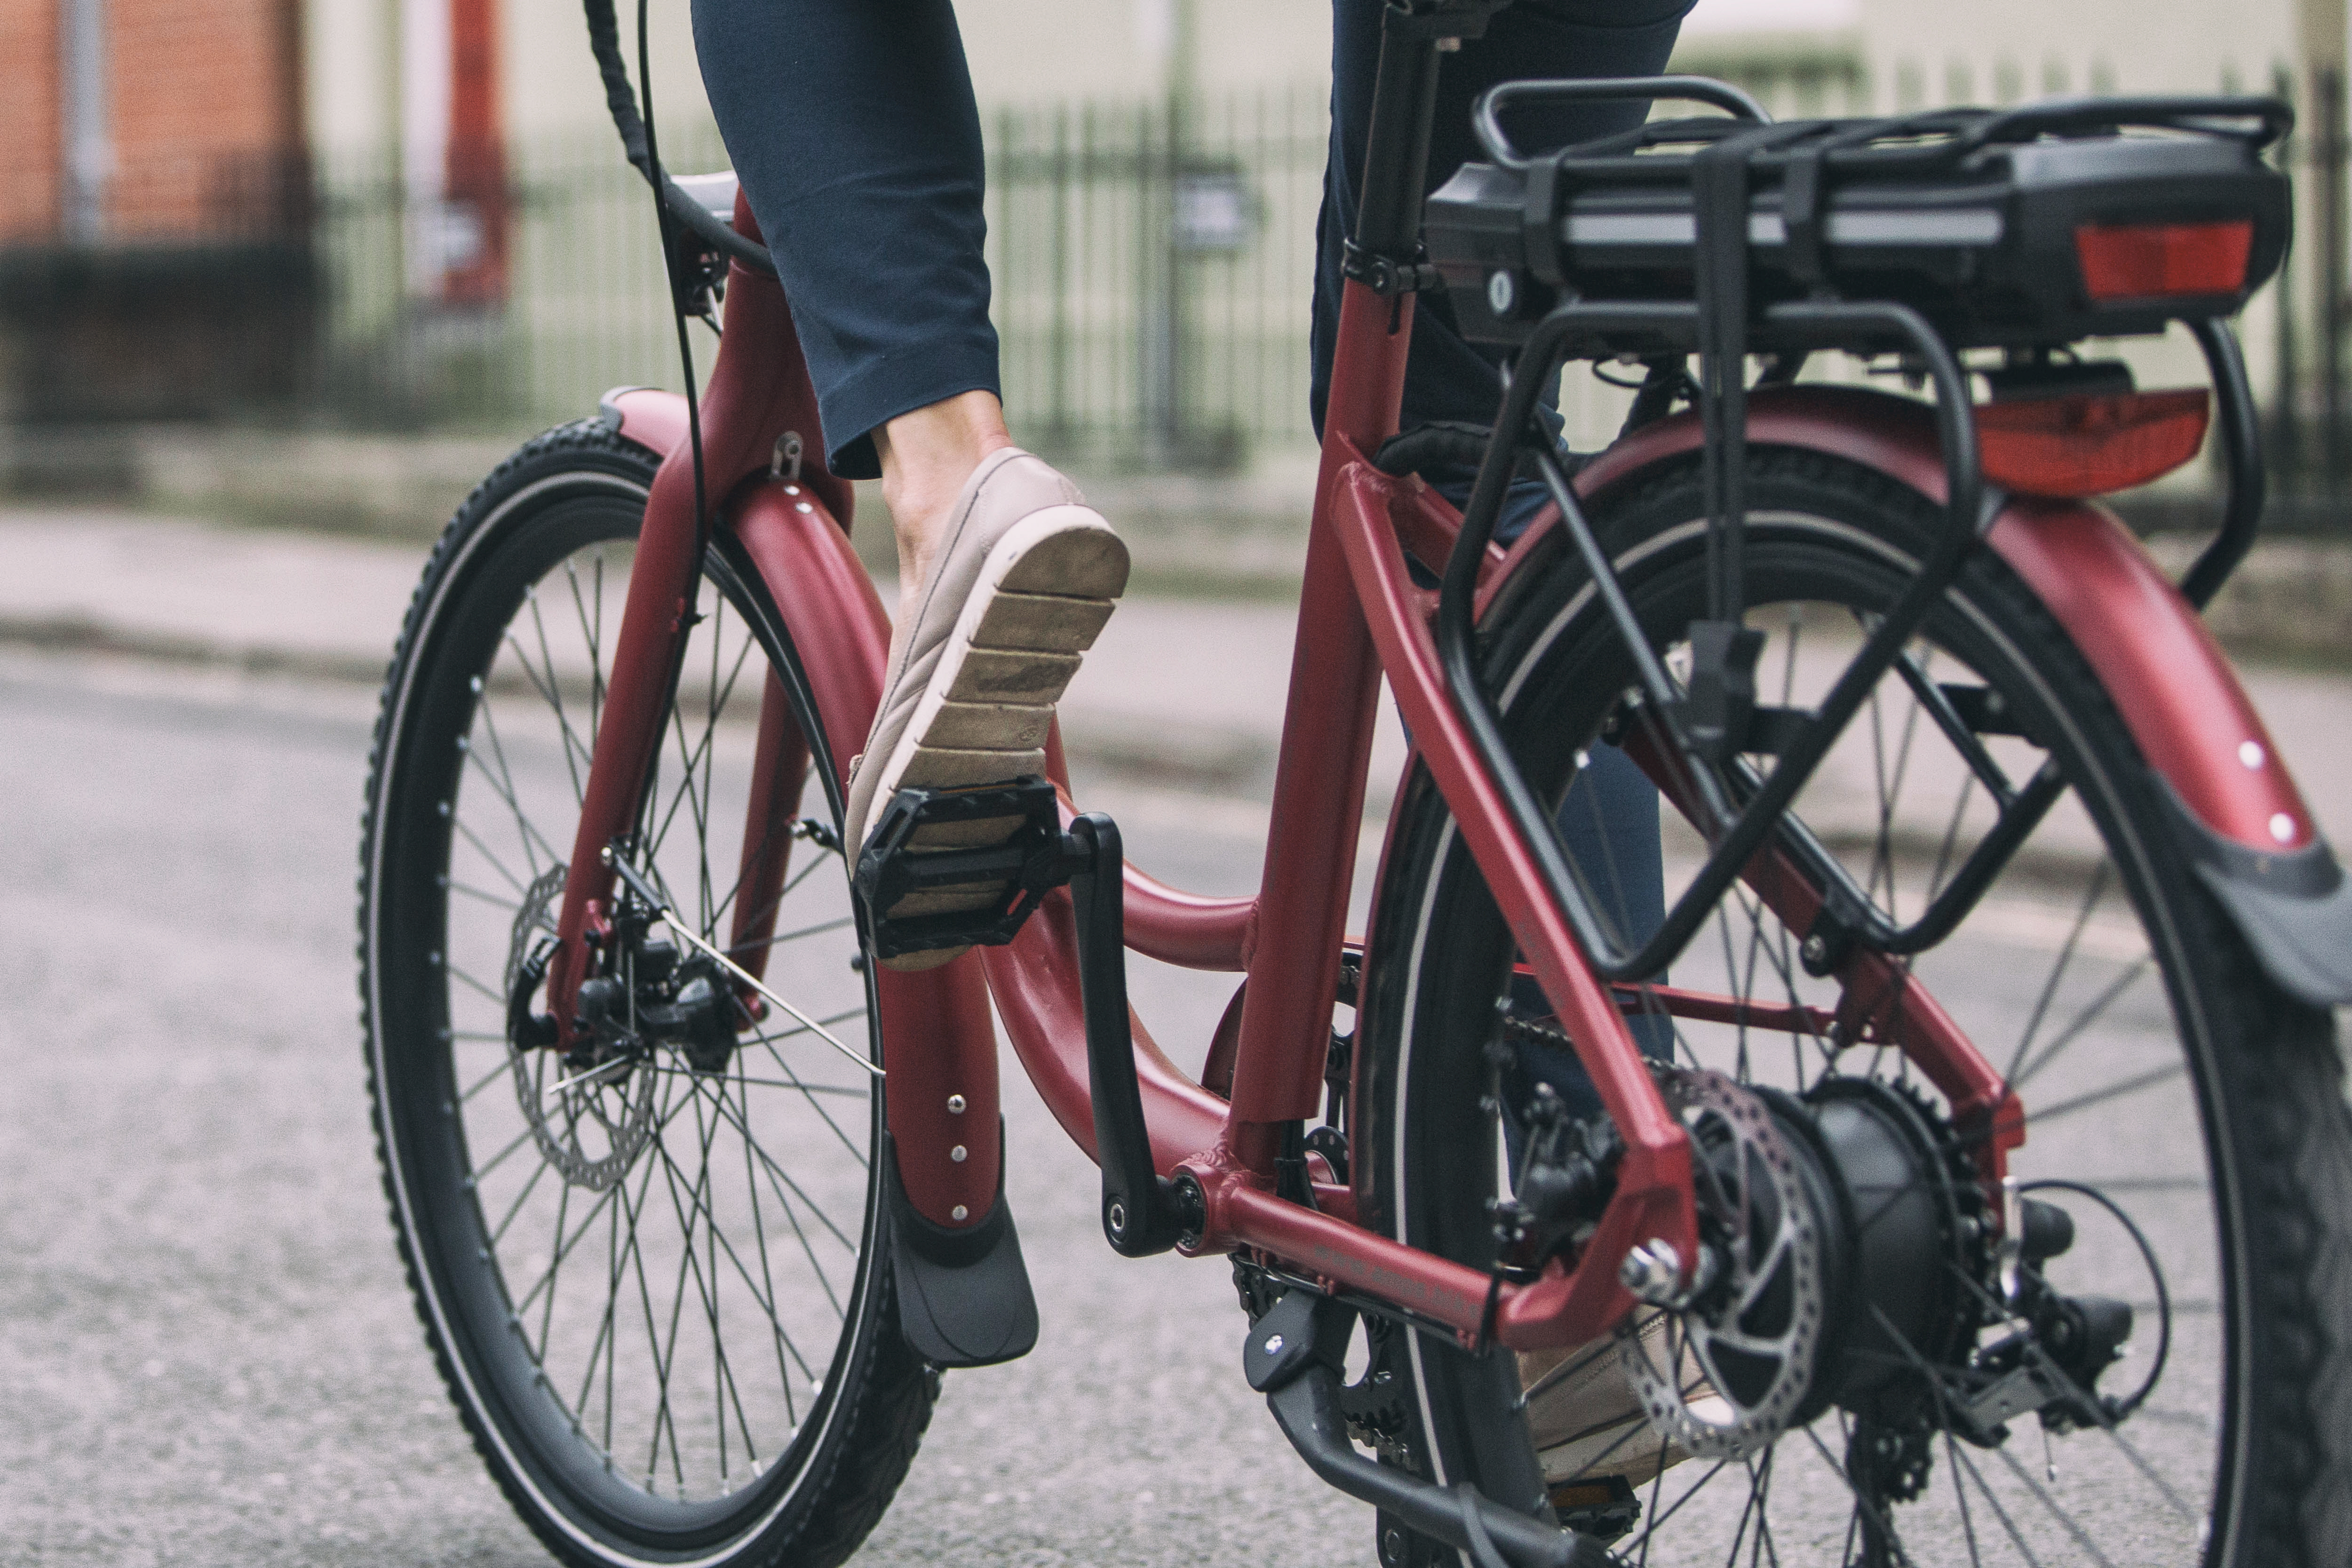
2160 260
2089 444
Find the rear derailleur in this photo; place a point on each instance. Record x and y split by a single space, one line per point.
2049 1364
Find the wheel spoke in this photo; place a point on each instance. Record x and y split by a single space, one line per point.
2114 1092
2016 1536
2065 1521
2089 1015
2057 972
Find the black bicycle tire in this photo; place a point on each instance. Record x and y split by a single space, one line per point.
885 1391
2270 1062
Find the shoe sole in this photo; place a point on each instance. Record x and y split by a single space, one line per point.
1609 1450
1044 594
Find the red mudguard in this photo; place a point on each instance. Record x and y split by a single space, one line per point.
2242 817
2167 675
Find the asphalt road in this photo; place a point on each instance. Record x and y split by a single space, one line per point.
207 1353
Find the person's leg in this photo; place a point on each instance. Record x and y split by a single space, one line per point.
853 129
854 132
927 455
856 137
1447 377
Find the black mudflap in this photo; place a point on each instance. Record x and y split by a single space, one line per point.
963 1293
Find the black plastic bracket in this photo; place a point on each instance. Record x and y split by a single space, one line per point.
1722 700
1022 863
963 1293
1389 275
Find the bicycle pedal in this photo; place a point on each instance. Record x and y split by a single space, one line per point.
960 868
1603 1507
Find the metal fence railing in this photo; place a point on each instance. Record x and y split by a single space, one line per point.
1153 273
582 306
1152 266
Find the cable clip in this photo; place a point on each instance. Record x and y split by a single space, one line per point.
1390 276
785 463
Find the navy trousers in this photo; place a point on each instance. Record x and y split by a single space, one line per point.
855 131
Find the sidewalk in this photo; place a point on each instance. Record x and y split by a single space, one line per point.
1202 724
1183 697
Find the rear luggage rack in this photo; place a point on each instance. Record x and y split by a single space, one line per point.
2037 224
1924 235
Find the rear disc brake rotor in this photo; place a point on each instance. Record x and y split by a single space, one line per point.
1734 1363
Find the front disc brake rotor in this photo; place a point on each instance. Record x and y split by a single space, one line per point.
590 1127
1734 1362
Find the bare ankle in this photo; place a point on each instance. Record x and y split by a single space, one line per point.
927 455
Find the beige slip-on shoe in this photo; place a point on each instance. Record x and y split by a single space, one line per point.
1589 1425
1027 576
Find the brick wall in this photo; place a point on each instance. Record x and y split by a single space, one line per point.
204 115
29 151
207 115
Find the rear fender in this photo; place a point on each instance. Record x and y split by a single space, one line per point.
2235 808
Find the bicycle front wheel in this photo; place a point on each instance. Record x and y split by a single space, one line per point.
654 1272
2163 1377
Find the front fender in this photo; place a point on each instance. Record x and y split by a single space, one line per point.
948 1160
840 634
2236 809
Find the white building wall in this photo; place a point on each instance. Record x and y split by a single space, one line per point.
2006 49
1027 51
351 94
1022 52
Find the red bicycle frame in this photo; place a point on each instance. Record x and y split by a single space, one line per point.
1361 617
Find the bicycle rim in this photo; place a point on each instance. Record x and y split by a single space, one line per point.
651 1276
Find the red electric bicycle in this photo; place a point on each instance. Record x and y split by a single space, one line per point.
1994 1199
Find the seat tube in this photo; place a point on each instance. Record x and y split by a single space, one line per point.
1335 672
1318 787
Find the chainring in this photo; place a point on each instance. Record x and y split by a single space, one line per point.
617 1113
1752 1332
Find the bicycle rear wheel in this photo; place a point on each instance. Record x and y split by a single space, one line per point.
2184 1114
655 1277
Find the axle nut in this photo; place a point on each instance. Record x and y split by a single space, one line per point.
1653 1272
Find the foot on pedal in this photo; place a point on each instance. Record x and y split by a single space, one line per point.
1589 1424
1024 583
945 869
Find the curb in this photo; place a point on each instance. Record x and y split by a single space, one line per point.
75 634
